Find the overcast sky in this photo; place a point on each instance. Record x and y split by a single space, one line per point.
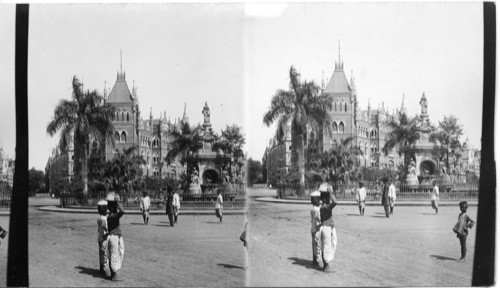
235 57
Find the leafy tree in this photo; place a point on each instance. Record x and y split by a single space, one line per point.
301 107
403 132
36 181
83 118
231 142
254 172
448 133
186 139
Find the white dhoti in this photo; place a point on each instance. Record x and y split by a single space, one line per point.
328 242
116 250
316 244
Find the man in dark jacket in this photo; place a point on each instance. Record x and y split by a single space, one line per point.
169 204
116 248
386 202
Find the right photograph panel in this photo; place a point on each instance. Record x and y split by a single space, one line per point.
363 123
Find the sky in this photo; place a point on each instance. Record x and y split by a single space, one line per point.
235 57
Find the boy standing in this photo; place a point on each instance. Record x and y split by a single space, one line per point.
392 195
102 235
145 202
218 206
177 205
360 197
461 228
328 232
435 196
116 247
315 227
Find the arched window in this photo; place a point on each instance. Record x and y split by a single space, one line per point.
117 136
345 107
128 117
117 116
123 137
366 148
147 157
341 127
335 106
335 127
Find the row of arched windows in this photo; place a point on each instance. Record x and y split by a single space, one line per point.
339 107
122 116
120 137
338 128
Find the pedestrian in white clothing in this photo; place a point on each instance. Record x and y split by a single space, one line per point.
145 202
392 195
435 196
177 205
315 227
218 206
361 198
328 232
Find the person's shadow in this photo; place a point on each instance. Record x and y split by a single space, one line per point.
439 257
91 271
303 262
231 266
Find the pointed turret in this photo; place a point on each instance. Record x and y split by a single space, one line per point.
105 92
120 92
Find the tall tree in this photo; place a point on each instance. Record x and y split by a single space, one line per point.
231 142
83 118
301 107
36 181
403 132
448 132
185 139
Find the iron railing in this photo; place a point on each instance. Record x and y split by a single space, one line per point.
234 198
403 192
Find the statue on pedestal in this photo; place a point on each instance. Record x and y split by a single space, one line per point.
206 114
423 104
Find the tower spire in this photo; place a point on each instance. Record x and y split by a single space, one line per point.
121 70
339 53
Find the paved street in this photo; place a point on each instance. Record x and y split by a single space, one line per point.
414 247
197 252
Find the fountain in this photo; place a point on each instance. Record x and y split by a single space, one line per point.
208 167
426 160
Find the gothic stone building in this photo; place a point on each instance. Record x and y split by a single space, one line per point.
368 128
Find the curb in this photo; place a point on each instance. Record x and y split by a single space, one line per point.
368 203
138 212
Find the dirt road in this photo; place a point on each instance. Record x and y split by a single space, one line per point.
414 247
198 251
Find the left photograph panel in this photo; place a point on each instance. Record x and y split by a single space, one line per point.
7 128
136 127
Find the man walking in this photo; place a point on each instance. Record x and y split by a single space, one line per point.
392 195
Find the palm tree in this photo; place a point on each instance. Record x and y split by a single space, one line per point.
85 117
301 107
185 139
403 132
344 160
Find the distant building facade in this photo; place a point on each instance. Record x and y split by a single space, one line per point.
7 166
367 128
149 136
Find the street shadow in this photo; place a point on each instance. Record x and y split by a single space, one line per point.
216 222
379 216
428 213
90 271
304 262
352 215
439 257
137 224
380 213
161 225
230 266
